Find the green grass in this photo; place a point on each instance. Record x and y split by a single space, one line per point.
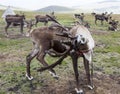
13 53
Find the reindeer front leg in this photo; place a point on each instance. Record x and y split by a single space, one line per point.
95 21
87 65
74 57
101 22
36 22
21 27
8 24
45 23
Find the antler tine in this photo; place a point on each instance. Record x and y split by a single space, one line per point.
53 19
59 25
65 34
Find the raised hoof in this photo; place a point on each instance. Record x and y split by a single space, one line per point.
29 78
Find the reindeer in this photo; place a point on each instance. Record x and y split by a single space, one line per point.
44 38
79 43
80 17
76 15
30 23
113 25
15 20
102 17
43 18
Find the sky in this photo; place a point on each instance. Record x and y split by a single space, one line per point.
37 4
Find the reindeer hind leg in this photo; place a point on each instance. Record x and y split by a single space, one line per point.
40 58
6 28
21 28
28 61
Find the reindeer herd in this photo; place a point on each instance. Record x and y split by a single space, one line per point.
113 24
19 20
59 41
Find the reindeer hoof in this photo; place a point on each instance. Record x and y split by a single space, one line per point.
27 35
29 78
79 91
23 34
7 35
54 75
90 87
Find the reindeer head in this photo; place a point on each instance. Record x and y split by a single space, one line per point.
80 39
80 42
30 23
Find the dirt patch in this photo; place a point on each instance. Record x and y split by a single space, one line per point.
2 57
104 84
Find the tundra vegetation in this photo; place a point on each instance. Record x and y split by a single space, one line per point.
14 49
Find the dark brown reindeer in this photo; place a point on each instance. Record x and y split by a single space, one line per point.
15 20
43 18
77 15
79 43
102 17
30 23
113 25
80 17
43 40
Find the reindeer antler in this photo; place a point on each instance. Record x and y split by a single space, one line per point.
65 34
59 25
52 19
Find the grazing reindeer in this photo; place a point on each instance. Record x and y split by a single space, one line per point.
102 17
80 17
84 48
43 18
113 25
76 15
30 23
81 45
15 20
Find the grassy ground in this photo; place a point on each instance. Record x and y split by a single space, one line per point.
14 50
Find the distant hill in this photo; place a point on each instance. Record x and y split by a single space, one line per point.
55 8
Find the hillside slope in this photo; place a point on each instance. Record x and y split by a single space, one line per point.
55 8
